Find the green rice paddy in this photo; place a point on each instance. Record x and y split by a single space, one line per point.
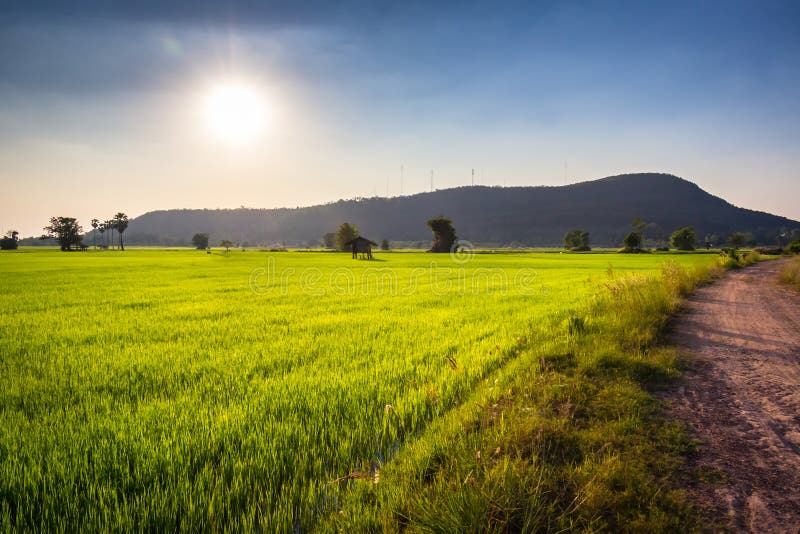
179 390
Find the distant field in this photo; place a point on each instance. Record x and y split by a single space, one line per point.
174 389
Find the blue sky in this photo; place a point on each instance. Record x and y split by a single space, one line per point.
98 100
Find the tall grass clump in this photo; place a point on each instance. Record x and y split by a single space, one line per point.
567 437
790 273
731 258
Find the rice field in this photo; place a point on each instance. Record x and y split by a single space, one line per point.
179 390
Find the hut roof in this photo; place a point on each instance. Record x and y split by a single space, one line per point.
361 238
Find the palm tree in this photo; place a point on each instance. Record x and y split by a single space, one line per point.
102 229
121 224
95 224
110 227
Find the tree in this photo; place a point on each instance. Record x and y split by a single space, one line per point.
95 224
639 226
102 229
577 240
10 241
444 234
227 243
346 232
684 238
200 241
120 225
65 230
385 244
736 239
110 227
329 240
633 242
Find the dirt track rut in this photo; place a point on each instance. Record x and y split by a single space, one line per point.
741 399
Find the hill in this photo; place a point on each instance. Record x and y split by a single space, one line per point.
533 216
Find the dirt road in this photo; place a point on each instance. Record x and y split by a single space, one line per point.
741 400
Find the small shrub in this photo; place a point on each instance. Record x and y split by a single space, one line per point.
748 258
794 247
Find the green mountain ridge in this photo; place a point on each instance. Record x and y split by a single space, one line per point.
524 216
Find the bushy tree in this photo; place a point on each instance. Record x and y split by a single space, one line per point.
344 234
736 239
226 244
200 241
684 238
329 240
10 241
444 234
65 230
633 241
577 240
385 244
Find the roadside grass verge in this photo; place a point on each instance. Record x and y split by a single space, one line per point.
566 437
790 273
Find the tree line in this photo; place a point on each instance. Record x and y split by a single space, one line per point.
68 233
683 239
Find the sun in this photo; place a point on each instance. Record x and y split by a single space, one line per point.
235 113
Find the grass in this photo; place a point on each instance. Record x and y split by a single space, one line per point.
175 390
566 437
790 273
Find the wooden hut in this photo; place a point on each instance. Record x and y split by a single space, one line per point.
361 246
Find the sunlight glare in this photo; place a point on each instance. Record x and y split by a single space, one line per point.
235 113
